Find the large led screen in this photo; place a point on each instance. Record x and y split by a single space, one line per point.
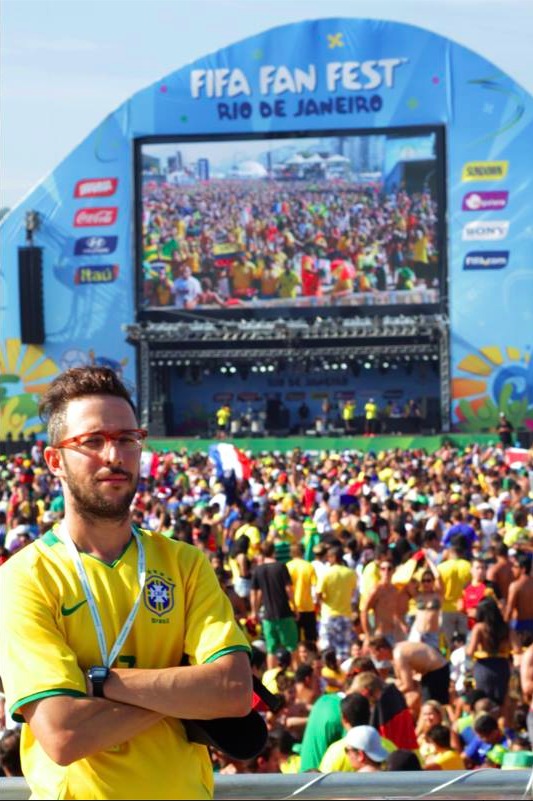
349 220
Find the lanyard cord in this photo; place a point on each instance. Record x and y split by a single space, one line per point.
107 660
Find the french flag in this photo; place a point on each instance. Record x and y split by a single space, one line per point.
149 463
227 457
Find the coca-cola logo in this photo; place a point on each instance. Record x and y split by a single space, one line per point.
95 217
96 187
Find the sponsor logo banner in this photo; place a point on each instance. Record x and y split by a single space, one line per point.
96 187
485 201
486 231
485 170
85 218
95 245
101 274
486 260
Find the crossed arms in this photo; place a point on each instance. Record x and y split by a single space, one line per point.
70 728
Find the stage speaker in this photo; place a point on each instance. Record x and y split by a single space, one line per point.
31 299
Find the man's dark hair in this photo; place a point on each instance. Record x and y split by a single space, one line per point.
337 552
440 735
78 382
356 709
10 752
267 548
501 549
362 664
302 673
459 544
485 724
523 560
258 658
402 759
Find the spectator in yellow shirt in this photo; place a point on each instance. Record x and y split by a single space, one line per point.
303 578
455 573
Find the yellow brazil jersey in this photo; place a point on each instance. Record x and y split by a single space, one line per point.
49 641
336 587
303 579
455 574
254 535
288 283
369 580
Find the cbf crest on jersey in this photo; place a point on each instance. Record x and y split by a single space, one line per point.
159 595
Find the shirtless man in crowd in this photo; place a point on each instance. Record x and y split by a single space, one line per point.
388 605
519 606
411 658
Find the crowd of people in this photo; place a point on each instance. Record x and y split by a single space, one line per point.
387 597
230 243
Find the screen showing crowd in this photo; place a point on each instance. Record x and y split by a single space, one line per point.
351 220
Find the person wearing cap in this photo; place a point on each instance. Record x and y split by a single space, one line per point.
364 749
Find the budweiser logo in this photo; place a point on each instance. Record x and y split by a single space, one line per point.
96 187
88 217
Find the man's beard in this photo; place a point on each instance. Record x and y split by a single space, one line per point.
90 505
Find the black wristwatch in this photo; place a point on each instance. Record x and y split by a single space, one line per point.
97 674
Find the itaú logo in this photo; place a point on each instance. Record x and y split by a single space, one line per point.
95 217
488 231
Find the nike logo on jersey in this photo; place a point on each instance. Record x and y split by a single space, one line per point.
69 610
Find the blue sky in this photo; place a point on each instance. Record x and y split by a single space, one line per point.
66 64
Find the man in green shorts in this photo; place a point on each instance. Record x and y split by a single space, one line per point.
272 589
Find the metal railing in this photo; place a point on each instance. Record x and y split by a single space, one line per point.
484 784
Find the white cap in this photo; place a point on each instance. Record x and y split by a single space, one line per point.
367 739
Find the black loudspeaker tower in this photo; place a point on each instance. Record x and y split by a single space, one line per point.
31 295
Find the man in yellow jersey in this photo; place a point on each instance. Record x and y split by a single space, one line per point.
455 573
223 415
336 589
371 417
113 635
303 578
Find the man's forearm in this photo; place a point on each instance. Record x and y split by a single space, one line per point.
219 689
69 729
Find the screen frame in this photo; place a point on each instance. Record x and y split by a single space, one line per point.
168 314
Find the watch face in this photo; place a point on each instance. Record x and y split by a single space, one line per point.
97 676
98 673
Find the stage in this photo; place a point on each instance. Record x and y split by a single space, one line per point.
326 443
